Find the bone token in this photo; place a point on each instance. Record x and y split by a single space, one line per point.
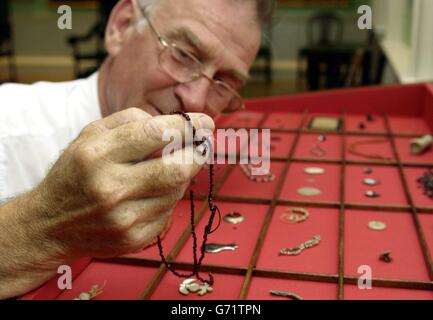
377 225
314 170
309 192
371 182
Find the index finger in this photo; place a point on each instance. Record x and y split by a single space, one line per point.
137 140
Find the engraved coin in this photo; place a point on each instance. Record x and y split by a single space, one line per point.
314 170
376 225
371 182
309 192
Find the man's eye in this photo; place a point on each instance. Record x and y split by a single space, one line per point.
182 56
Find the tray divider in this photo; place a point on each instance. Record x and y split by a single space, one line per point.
413 209
341 226
259 244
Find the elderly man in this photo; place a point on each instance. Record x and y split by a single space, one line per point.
100 198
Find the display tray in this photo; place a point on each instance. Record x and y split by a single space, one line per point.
340 214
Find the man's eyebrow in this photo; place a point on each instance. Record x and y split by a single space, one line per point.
185 34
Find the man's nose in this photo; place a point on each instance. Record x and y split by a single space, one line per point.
193 94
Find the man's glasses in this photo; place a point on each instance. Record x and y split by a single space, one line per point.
183 67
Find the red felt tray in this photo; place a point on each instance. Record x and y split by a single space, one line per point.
352 292
427 227
278 145
412 125
381 149
283 120
260 287
390 188
237 184
122 282
377 125
406 110
320 259
244 235
363 246
328 183
307 143
245 119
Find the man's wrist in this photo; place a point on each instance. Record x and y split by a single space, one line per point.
28 257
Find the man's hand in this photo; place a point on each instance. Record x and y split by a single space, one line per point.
100 199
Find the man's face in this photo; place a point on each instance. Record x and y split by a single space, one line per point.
223 34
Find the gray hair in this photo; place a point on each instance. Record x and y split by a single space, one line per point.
264 9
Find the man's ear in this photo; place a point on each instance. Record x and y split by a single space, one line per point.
119 26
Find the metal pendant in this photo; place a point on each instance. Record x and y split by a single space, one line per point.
377 225
309 192
371 182
314 171
189 285
234 217
215 248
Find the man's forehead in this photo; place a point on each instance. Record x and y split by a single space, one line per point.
213 26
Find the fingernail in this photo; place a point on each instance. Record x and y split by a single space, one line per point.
206 122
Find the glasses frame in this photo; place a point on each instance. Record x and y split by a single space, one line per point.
194 75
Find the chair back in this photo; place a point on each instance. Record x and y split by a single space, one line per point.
325 28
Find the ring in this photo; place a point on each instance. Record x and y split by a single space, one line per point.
297 215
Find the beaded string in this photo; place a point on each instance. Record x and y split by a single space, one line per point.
208 229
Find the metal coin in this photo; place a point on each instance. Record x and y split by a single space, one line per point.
376 225
314 170
368 170
372 194
309 192
371 182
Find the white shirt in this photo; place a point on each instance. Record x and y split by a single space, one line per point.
37 122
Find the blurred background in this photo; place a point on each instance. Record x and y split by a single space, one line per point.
311 44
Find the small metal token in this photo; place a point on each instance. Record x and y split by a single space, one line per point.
376 225
368 170
386 257
371 182
321 138
314 170
372 194
309 192
234 217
